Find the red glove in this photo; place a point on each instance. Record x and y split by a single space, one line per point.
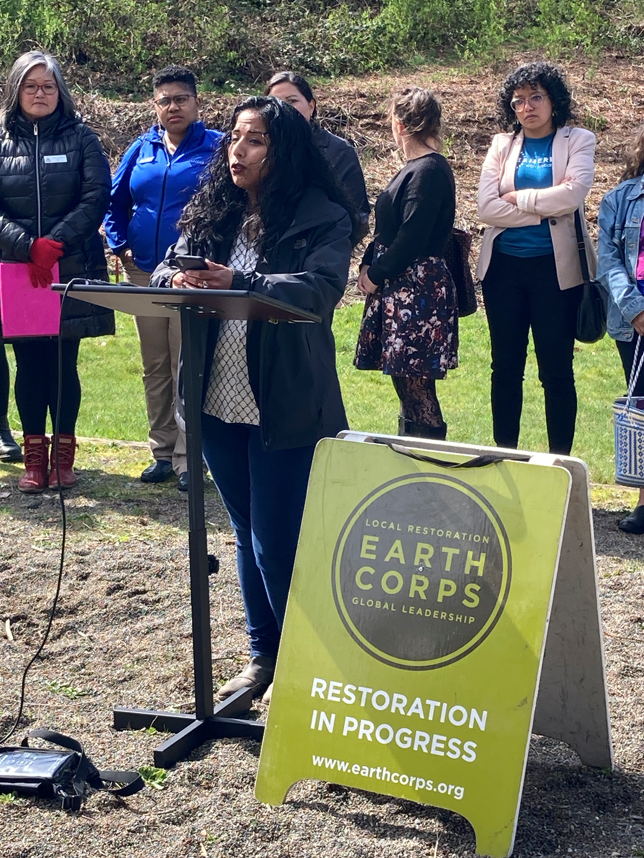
45 252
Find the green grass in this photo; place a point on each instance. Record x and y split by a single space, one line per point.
110 370
114 406
465 395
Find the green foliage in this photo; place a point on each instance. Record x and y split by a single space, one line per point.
8 797
126 40
564 26
153 777
67 690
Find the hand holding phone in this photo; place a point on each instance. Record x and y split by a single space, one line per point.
195 272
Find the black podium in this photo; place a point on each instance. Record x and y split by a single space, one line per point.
196 308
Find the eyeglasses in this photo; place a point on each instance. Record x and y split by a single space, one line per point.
536 100
32 88
179 100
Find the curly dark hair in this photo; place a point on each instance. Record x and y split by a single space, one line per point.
295 164
547 75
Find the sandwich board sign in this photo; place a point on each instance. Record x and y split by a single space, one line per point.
415 631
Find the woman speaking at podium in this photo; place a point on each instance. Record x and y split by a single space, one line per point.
269 219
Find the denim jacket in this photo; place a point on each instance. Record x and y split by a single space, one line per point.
620 220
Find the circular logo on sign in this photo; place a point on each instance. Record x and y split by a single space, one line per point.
421 571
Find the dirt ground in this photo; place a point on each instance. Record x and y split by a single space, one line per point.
122 635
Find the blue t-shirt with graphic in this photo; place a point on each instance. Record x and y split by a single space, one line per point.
534 170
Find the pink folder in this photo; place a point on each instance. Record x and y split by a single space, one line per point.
27 311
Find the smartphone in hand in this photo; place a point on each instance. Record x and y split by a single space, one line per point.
191 263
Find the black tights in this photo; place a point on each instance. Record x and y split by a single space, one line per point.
37 384
4 382
420 409
627 353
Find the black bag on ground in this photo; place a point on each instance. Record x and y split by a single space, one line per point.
58 774
457 259
591 314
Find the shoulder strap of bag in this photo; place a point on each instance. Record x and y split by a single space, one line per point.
87 771
636 368
581 247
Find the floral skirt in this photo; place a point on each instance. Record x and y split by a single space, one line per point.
410 326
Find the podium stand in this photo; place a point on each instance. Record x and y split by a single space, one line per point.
196 308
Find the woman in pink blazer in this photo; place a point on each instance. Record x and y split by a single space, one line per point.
533 180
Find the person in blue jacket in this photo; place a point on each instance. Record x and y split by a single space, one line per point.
620 267
156 178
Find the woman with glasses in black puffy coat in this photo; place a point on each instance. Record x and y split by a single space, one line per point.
54 192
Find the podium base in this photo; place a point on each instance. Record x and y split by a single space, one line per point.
192 732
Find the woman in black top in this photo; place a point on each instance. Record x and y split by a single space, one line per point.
340 154
410 323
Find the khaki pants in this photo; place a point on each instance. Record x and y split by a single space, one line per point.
160 340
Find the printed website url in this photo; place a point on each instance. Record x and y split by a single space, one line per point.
381 773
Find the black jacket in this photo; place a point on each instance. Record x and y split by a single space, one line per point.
346 168
55 182
291 367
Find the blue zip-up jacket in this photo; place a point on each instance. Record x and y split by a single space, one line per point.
620 220
150 190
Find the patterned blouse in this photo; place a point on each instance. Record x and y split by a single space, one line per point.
229 395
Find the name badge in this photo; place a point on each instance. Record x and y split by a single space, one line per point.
55 159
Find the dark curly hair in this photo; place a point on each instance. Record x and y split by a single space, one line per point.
547 75
295 164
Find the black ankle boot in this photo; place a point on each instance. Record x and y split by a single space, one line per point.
633 523
9 450
422 430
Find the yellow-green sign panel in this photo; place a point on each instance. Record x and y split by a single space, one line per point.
415 631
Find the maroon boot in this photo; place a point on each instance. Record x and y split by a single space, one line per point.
66 451
34 480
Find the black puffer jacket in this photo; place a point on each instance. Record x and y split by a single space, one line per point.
291 368
55 182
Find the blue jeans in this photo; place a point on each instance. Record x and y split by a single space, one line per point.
264 494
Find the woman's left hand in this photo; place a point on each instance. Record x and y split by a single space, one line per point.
216 277
364 284
638 323
510 197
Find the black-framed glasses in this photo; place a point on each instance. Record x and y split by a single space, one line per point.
32 88
179 100
535 101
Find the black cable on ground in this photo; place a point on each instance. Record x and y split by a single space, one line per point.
64 521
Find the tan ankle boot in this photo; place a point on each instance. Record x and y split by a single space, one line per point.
258 675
